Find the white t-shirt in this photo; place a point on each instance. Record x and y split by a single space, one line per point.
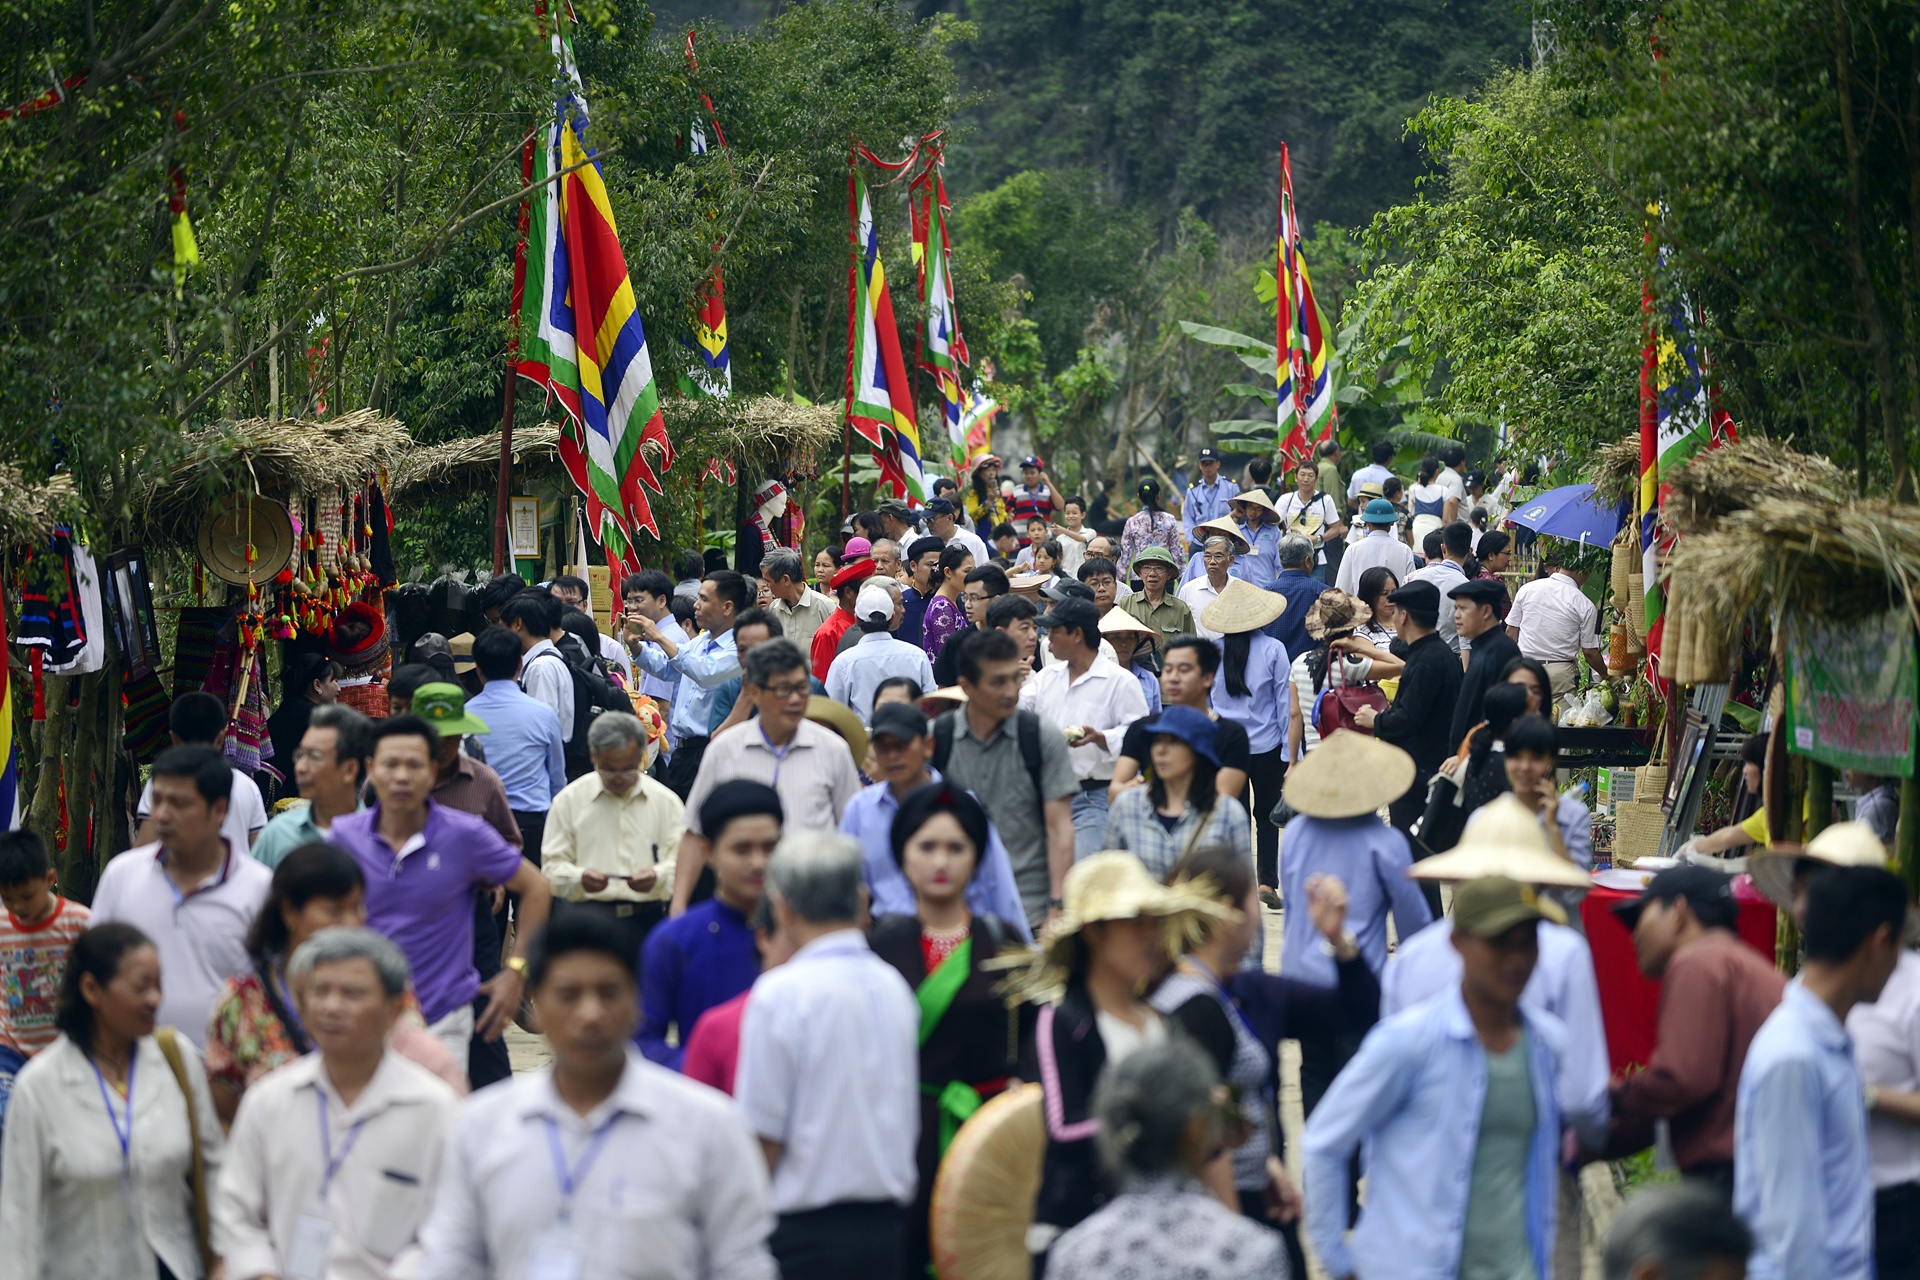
1456 486
246 812
1310 518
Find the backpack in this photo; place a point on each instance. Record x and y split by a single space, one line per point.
594 692
1026 726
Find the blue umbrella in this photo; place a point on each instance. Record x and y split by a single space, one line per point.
1570 512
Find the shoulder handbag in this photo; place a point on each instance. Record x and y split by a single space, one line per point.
1339 702
169 1044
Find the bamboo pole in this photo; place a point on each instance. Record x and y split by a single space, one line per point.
1819 797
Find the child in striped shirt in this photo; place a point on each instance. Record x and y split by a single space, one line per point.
37 930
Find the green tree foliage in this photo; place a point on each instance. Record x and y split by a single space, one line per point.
1510 287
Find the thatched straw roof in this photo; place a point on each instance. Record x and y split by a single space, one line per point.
275 458
741 429
28 512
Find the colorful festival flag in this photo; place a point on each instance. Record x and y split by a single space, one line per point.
943 352
582 338
978 411
714 374
9 750
1302 374
879 398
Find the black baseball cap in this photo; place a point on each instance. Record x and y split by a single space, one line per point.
1064 589
940 507
899 720
1708 892
1209 454
1078 615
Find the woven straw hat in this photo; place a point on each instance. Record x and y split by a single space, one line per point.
829 714
1114 885
1223 527
1503 839
1117 621
1254 497
1348 775
1027 584
983 1195
1844 844
1335 611
1241 606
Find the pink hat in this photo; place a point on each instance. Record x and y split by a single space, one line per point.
855 548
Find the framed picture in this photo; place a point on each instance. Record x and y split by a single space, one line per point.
523 528
129 598
1687 774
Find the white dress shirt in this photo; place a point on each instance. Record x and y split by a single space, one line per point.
1374 549
201 935
1198 594
971 541
388 1145
1563 984
1556 620
63 1214
246 811
551 681
1886 1042
876 657
1446 575
677 1190
830 1069
1104 698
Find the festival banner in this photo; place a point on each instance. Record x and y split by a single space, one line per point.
943 352
1851 692
1302 372
582 338
879 399
713 376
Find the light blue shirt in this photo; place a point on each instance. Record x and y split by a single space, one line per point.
1262 711
1372 473
1801 1178
1563 984
657 679
1260 566
1205 502
523 744
1371 859
1446 575
874 659
1412 1097
991 892
704 663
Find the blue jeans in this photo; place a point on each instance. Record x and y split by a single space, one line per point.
1089 823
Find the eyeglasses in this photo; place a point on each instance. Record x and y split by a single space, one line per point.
975 597
312 755
789 692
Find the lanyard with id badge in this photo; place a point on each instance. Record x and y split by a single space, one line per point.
122 1134
558 1252
313 1232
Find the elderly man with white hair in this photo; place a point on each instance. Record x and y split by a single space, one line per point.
334 1157
879 655
612 834
829 1073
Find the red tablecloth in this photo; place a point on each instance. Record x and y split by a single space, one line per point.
1630 1001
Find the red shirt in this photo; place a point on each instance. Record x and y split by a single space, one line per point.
826 641
713 1049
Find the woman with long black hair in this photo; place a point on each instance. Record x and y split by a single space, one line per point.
1252 689
945 618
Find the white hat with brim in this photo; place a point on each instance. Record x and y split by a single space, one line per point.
1503 839
1348 775
944 699
1113 885
1222 527
1844 844
1117 621
1241 606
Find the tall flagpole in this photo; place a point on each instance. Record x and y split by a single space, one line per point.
502 493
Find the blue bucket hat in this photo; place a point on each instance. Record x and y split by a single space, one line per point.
1193 727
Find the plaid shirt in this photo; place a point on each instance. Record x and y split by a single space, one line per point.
1132 824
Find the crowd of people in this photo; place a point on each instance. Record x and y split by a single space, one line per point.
798 874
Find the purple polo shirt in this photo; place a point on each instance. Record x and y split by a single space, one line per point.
422 896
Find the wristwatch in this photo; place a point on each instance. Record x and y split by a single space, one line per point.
518 964
1056 904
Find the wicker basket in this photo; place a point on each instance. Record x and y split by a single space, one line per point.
1626 555
1636 610
1650 784
1637 829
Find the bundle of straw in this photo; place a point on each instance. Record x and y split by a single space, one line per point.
1616 471
1752 475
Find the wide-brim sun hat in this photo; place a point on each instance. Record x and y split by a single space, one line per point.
1113 885
944 699
1241 606
1844 844
1335 611
1117 621
1349 775
841 719
1222 527
1504 839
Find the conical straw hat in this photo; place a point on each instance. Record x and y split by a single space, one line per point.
1241 606
1117 621
1222 527
1844 844
983 1195
1347 775
1503 839
1254 497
